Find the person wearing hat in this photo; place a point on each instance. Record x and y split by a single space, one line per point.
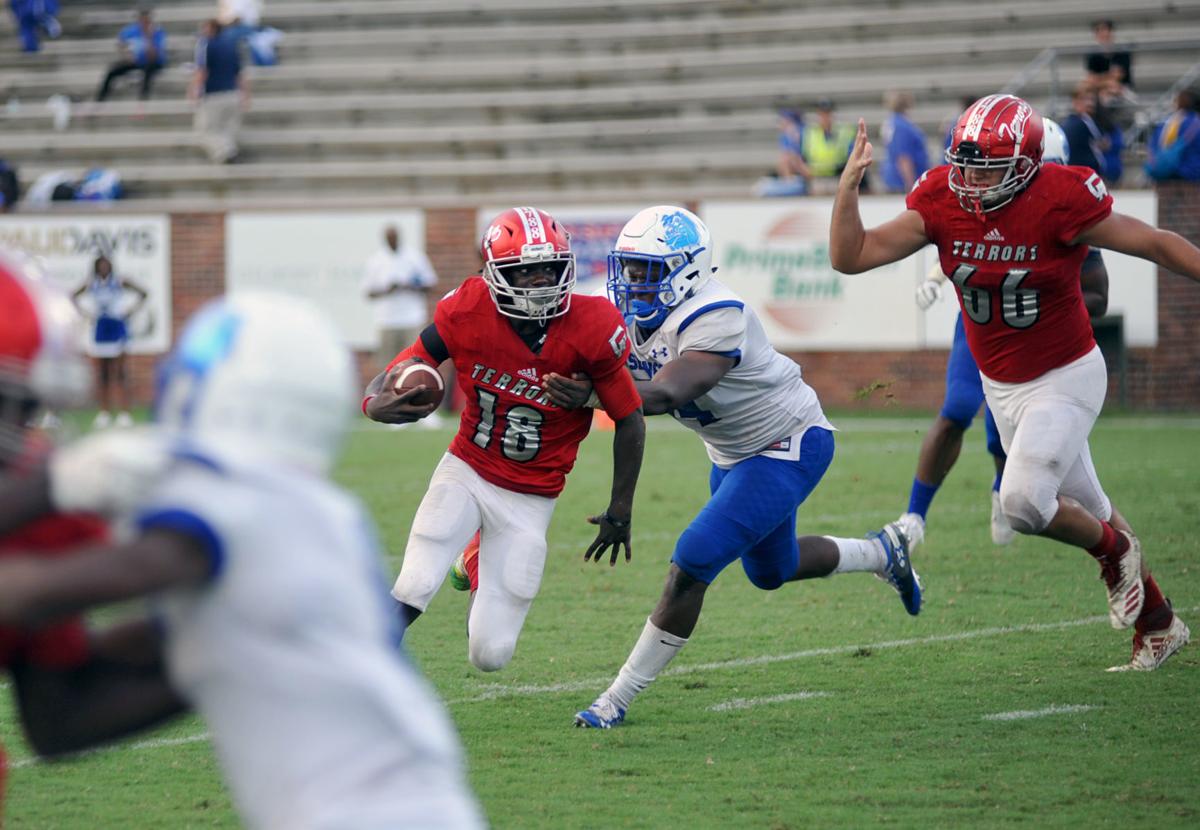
827 143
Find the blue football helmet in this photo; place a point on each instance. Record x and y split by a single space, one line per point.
662 257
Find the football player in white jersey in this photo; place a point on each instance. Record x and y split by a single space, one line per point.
701 354
268 579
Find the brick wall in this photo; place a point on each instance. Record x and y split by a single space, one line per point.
1163 378
1168 377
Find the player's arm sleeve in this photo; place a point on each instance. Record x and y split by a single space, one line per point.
609 371
719 328
1085 201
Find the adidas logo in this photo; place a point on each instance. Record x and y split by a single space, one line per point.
993 235
529 374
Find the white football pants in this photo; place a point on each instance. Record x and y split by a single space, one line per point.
1044 424
512 554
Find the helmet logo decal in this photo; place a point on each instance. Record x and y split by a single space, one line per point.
679 232
535 231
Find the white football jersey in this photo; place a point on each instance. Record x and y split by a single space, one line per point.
760 401
289 653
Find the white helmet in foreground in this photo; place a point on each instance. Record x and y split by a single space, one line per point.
1055 147
662 257
260 375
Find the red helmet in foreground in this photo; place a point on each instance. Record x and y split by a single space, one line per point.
519 238
997 132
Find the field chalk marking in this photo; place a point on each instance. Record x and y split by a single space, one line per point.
156 743
1025 714
746 703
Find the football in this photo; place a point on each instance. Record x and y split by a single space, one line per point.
412 374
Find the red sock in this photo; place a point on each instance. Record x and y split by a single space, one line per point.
1112 544
1156 612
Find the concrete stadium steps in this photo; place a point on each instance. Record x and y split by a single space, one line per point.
853 90
485 72
814 28
470 177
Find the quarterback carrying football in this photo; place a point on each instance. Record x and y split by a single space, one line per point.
507 329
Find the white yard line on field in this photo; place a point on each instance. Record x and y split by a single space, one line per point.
746 703
156 743
493 691
1024 714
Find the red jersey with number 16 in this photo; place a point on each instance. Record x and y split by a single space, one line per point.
510 433
1016 276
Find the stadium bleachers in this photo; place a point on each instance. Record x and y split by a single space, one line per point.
433 100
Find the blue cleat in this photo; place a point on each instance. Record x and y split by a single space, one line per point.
899 572
603 714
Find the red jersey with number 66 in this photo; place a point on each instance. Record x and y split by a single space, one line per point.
510 433
1016 276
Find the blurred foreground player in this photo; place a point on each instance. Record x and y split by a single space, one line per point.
506 330
269 584
74 688
1012 235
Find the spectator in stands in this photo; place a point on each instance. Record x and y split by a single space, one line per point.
220 92
10 186
791 172
1109 69
33 18
143 47
827 145
907 156
397 282
1174 149
244 19
1086 139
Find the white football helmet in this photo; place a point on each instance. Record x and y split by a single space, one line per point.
1055 147
662 257
260 375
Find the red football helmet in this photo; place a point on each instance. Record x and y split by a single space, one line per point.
997 132
41 350
520 238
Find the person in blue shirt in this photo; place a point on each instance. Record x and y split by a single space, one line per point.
219 90
33 18
907 156
1174 150
143 48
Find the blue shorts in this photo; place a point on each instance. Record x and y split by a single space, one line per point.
752 515
964 390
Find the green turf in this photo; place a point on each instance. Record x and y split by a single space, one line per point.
895 732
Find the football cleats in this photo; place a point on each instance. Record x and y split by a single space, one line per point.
41 350
520 238
662 256
1055 147
259 375
997 132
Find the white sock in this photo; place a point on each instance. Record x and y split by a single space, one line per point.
859 555
654 650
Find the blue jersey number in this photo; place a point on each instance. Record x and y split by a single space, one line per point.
691 412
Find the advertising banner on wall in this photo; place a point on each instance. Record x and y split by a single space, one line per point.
775 253
139 250
321 256
593 231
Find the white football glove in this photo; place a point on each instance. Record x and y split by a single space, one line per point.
928 293
108 472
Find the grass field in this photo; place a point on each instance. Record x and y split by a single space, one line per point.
819 705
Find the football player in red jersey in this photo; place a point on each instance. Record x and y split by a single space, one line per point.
1012 235
74 687
506 330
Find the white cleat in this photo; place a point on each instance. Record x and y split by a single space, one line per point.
103 420
123 420
1002 532
1151 650
1123 579
914 529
